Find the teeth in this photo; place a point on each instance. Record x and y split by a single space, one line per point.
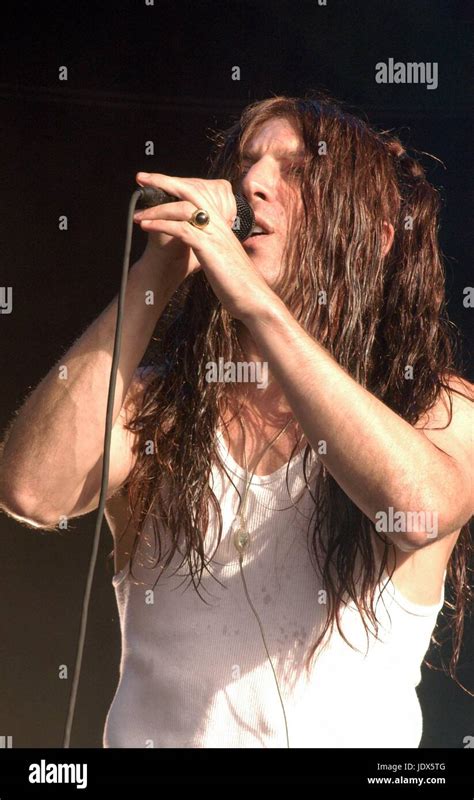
257 229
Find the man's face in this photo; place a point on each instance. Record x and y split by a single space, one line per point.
270 162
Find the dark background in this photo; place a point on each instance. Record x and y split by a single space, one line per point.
163 73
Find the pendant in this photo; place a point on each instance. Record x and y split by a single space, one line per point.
240 537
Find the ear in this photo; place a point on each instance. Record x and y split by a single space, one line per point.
388 236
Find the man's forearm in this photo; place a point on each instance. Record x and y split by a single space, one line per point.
57 436
378 459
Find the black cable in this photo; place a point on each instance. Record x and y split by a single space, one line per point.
105 467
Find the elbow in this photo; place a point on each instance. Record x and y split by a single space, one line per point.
26 509
411 530
409 541
416 540
430 522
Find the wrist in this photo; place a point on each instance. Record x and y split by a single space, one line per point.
157 273
265 314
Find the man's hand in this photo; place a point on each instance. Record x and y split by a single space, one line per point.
215 248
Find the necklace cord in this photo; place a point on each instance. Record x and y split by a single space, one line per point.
240 513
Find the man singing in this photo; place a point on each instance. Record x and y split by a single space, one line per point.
280 551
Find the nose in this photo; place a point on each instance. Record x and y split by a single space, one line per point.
260 180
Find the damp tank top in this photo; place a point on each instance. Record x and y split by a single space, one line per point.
195 672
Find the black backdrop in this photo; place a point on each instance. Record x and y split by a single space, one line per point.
162 72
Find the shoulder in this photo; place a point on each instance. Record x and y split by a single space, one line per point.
449 424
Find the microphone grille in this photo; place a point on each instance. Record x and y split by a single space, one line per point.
245 219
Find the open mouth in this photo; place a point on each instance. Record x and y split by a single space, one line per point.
257 230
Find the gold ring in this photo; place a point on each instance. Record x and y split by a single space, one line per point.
200 218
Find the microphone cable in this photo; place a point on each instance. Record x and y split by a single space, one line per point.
136 196
149 197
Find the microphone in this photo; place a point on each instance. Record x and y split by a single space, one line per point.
241 226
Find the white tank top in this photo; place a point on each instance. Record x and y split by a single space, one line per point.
196 674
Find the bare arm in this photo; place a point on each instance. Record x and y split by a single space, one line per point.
51 459
378 458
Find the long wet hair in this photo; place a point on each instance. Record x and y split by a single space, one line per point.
374 314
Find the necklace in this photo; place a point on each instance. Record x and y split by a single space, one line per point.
241 541
239 529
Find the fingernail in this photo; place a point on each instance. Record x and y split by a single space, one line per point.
143 174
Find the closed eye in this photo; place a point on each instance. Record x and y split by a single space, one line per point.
295 169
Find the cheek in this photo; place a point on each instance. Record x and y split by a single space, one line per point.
295 210
289 216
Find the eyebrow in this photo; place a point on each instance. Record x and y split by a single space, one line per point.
252 155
